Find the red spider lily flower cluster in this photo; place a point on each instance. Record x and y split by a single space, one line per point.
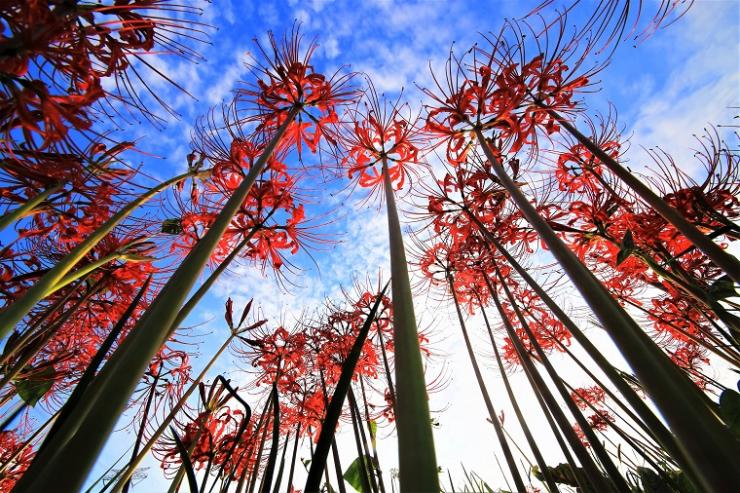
270 218
379 136
592 398
578 169
81 44
305 364
493 93
16 456
287 81
207 434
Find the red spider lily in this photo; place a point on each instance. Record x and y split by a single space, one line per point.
584 396
286 79
14 468
305 413
203 435
280 355
81 45
585 170
270 218
691 357
238 458
550 333
382 137
491 91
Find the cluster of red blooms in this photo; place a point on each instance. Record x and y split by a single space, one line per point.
465 200
81 44
632 248
306 364
269 219
509 98
303 367
592 399
380 138
15 456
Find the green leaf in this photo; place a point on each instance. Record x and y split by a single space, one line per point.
729 408
651 482
172 226
373 431
353 475
33 388
186 463
722 288
627 247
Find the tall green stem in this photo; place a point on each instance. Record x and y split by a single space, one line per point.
417 462
334 407
511 463
701 435
95 416
724 260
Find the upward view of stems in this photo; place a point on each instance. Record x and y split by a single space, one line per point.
595 304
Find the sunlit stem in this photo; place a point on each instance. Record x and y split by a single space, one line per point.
591 471
96 414
373 440
728 263
493 417
701 435
551 485
13 216
15 312
417 461
83 271
597 447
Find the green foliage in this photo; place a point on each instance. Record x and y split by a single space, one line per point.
33 388
172 226
729 408
353 474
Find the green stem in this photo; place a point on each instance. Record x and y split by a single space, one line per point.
14 313
12 216
724 260
417 462
511 463
701 435
334 407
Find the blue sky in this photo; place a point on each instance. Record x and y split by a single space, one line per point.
665 90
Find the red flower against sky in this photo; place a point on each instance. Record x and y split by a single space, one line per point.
81 44
380 135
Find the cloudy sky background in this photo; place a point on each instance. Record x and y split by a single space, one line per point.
665 90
